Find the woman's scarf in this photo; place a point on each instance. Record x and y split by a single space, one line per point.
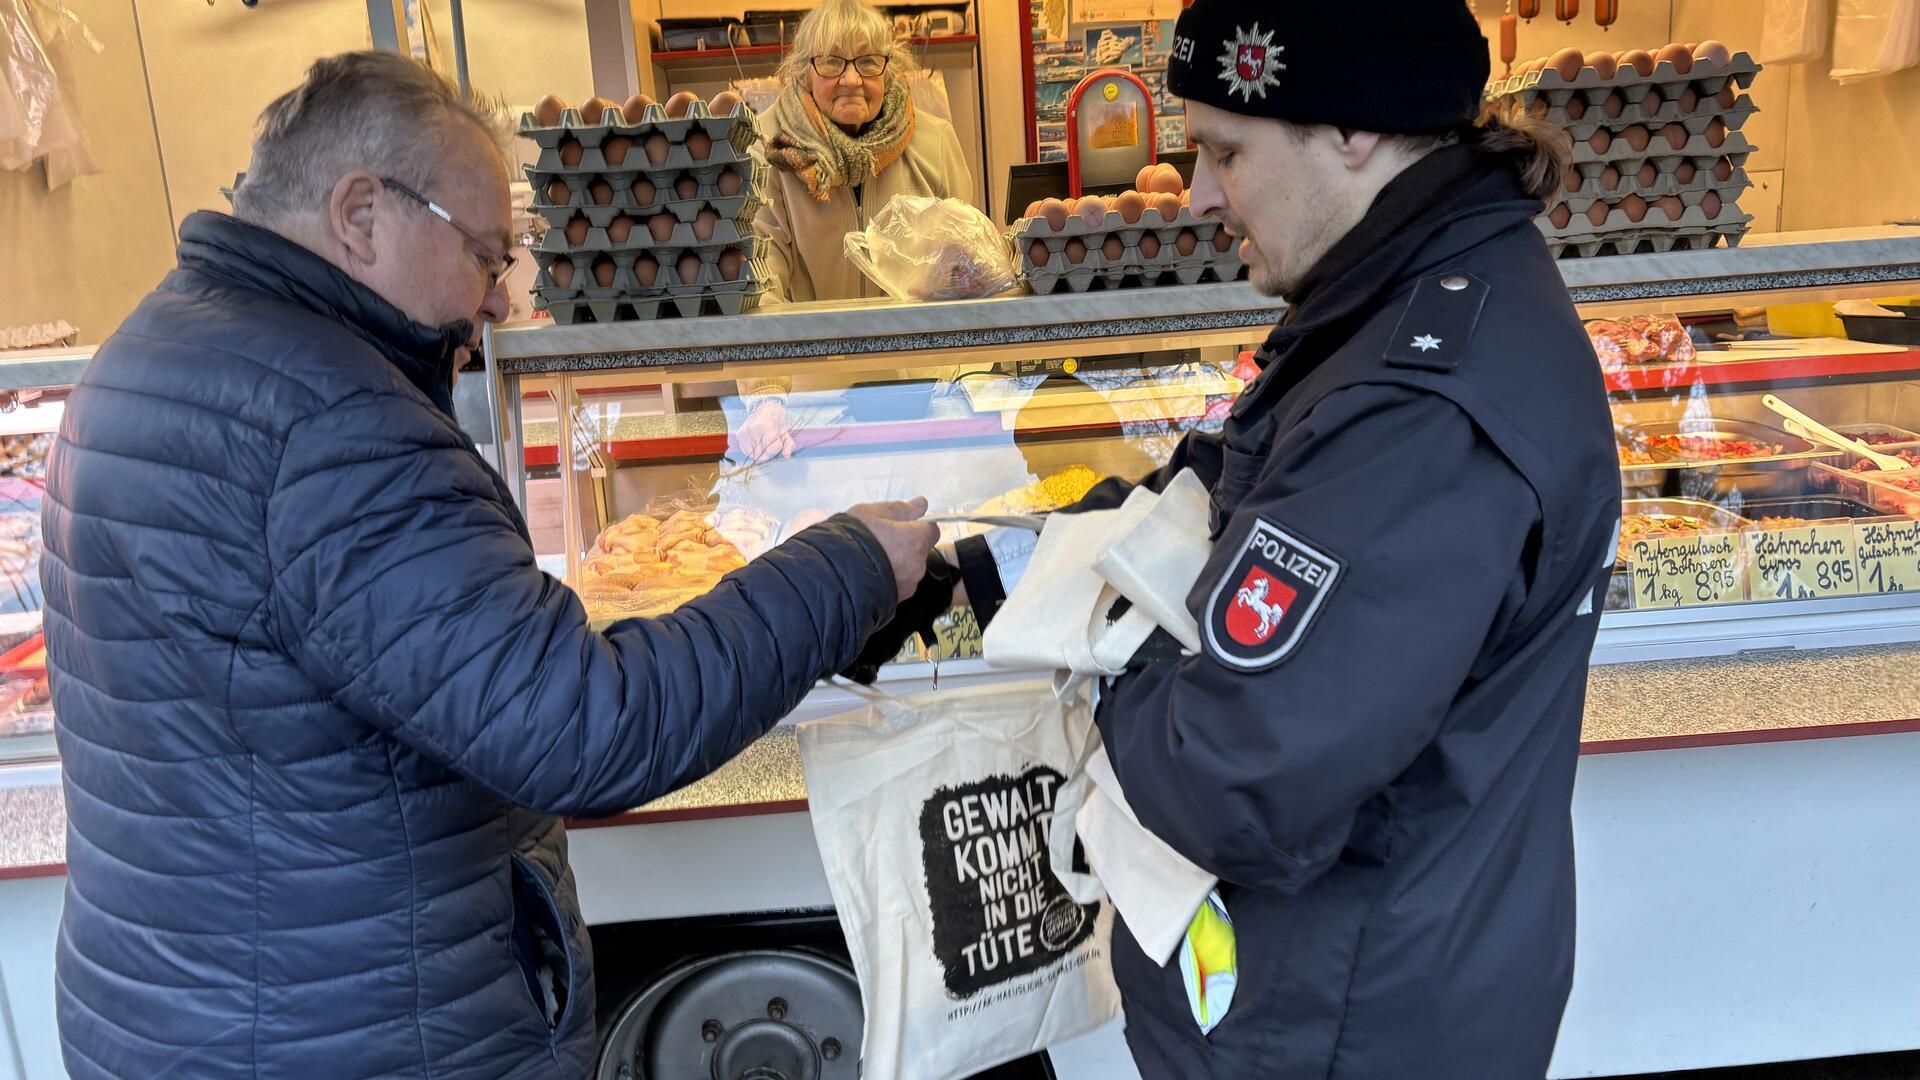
823 156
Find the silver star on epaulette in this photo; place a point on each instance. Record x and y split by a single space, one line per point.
1426 343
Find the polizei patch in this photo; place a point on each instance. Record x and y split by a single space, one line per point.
1267 598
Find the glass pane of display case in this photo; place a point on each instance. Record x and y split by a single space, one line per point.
28 419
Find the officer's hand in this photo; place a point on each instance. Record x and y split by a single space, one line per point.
904 536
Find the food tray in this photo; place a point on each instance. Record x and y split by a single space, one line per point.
1636 241
1691 194
1903 438
625 179
1718 518
1808 507
1695 122
626 283
1706 79
1872 488
732 134
1782 474
1131 268
1662 153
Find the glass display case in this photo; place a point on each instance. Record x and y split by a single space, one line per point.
695 447
33 391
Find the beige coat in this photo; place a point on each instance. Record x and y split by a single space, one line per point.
806 259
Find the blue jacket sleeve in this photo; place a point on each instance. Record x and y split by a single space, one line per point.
404 588
1257 776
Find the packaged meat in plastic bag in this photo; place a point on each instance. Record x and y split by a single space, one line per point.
921 248
1640 339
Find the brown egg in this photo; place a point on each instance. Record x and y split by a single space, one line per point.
571 151
1186 197
724 103
1113 249
635 108
1690 46
1186 242
1056 213
1601 140
658 148
1651 105
689 268
1716 133
547 113
620 228
1092 210
1672 207
1167 206
1143 180
596 108
1648 175
1634 207
561 273
732 262
616 149
680 104
1689 100
1603 64
1676 54
1712 205
1560 215
1222 240
1033 209
1149 246
731 182
644 193
1597 213
1037 253
1723 169
1570 178
558 193
1539 109
1714 54
1676 135
660 226
700 145
1166 178
1613 106
1076 251
1640 60
646 270
603 270
704 222
1685 172
1727 96
1567 63
1576 107
1609 178
687 187
600 192
1130 204
1635 137
577 227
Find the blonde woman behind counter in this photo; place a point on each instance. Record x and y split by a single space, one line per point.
842 140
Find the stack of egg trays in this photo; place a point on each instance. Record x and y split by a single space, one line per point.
1167 267
1719 169
733 136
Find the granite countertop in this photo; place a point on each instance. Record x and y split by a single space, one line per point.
1672 704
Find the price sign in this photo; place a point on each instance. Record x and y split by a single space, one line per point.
1889 555
1684 571
958 638
1803 563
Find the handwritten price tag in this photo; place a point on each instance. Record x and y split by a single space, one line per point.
1889 555
1685 571
1803 563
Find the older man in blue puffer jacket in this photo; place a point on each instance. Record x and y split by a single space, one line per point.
319 710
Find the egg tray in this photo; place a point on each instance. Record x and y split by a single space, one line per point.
641 309
1695 123
1617 221
1632 113
1664 157
730 145
726 231
753 181
626 284
1130 270
1706 79
1641 242
1665 183
1027 230
1690 194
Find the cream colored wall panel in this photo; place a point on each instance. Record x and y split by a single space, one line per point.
1002 52
1850 152
212 69
524 50
1764 199
88 252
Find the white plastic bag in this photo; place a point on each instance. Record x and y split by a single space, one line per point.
922 248
37 117
1872 38
934 814
1794 31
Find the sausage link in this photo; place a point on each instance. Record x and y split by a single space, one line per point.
1566 10
1606 12
1509 39
1528 9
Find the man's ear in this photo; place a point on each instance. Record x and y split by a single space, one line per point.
1356 148
350 208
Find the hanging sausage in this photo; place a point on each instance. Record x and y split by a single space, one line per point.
1566 10
1509 38
1529 9
1606 13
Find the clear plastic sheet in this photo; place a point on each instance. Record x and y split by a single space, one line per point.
38 121
921 248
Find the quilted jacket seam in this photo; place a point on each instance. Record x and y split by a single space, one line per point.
98 385
203 346
223 481
413 912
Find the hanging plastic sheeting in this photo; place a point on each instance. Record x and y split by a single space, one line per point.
1794 31
1872 38
38 121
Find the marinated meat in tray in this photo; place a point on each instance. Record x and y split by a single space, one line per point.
1640 526
1630 456
1882 438
1642 339
1911 457
1711 448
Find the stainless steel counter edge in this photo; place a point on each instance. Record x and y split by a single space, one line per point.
1774 261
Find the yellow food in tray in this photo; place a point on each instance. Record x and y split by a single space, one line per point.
1064 488
644 565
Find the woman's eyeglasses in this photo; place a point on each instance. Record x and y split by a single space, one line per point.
495 262
871 66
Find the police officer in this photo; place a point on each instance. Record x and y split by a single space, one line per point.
1414 509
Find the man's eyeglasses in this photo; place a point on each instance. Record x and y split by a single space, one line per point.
497 263
832 67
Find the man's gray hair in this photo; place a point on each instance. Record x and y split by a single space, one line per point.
378 111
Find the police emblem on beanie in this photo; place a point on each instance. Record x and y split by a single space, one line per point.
1250 63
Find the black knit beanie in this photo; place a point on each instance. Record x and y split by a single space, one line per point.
1408 67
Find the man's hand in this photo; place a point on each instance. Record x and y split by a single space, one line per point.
905 537
765 434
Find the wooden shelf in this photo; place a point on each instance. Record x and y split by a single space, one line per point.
689 56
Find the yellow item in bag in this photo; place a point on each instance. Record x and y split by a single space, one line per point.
1210 963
